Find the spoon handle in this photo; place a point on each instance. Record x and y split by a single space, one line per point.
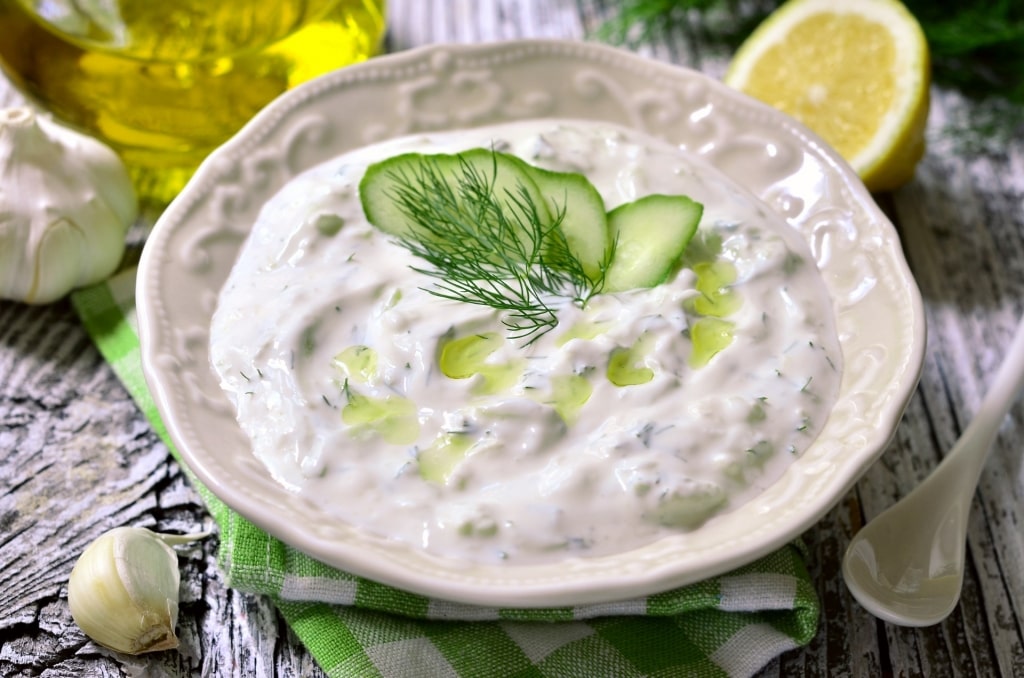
1001 395
1010 378
972 450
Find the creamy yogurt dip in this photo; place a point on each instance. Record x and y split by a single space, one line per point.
643 414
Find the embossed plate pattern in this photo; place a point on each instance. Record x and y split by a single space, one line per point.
877 304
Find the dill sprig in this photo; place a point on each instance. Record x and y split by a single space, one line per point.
491 248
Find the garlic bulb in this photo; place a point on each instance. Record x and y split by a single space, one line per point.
123 591
66 203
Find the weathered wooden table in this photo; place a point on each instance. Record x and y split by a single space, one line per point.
77 457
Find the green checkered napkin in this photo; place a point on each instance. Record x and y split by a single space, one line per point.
727 626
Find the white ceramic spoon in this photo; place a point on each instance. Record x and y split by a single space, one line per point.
907 565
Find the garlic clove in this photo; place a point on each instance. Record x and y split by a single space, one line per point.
59 191
123 591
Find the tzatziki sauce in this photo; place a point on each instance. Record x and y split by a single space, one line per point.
416 418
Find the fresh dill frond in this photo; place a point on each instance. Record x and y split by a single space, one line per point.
491 247
717 23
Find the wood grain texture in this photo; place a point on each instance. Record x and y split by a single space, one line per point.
77 458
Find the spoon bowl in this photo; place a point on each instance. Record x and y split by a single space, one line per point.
907 565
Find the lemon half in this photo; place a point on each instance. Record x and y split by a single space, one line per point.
856 72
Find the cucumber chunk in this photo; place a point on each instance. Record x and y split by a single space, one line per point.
652 233
384 183
649 234
585 220
515 183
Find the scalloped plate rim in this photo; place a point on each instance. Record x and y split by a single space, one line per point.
452 581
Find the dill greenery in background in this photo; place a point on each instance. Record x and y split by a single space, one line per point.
492 248
977 48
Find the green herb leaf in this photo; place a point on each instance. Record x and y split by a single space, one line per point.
496 248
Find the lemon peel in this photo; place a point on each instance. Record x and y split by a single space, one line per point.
857 73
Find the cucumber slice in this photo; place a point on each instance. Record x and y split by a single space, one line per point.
585 224
652 233
384 181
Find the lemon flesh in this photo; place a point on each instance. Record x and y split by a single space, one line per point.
855 72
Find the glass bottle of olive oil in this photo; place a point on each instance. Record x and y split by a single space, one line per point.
164 82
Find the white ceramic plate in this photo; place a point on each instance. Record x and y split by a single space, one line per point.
192 248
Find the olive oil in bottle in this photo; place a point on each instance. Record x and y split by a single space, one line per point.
164 82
